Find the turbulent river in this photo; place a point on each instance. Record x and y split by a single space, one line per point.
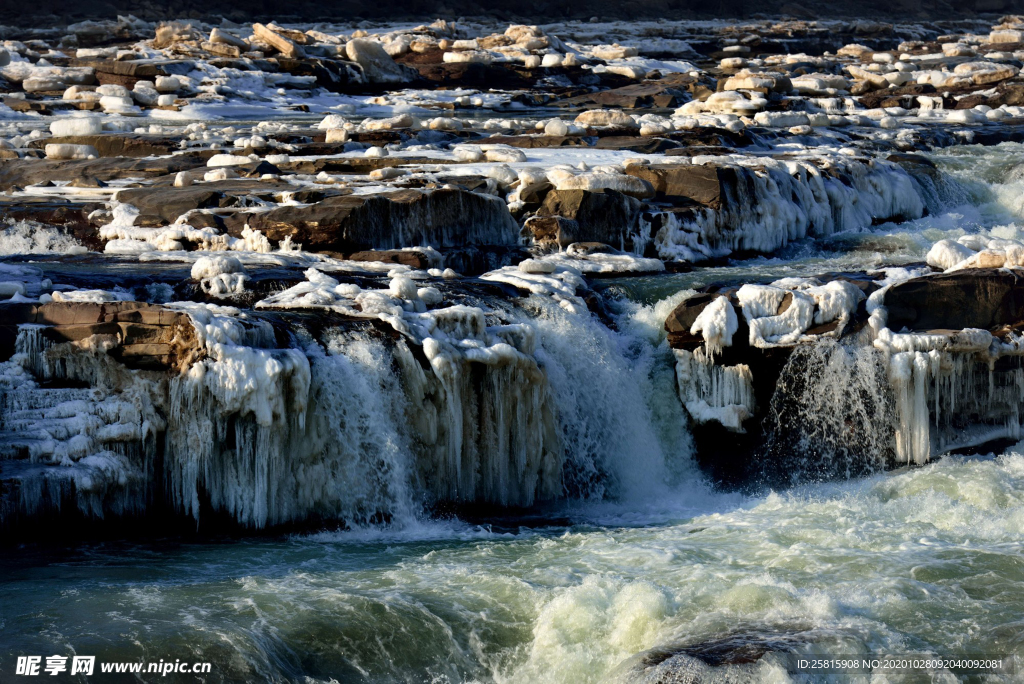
926 560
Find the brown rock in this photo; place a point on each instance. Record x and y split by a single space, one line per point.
670 91
393 256
23 172
536 141
70 216
169 202
937 302
119 144
700 184
286 46
679 322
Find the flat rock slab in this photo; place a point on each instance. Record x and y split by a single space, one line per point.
637 143
537 141
23 105
24 172
358 165
164 202
140 68
390 220
971 298
118 144
670 91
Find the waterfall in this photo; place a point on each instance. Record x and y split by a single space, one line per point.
278 422
833 412
621 423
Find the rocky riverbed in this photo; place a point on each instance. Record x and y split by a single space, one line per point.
225 244
485 352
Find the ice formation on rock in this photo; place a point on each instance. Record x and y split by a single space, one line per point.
772 203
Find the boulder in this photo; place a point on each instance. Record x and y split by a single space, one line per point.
606 216
937 302
377 64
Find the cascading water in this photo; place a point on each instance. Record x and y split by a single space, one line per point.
364 428
833 413
612 391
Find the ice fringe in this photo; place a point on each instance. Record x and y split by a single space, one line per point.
724 394
346 427
769 203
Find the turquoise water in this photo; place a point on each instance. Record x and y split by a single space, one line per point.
922 561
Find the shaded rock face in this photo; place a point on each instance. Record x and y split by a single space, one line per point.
405 218
585 216
975 298
700 184
73 217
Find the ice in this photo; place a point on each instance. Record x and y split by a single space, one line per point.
66 151
77 126
717 323
775 203
220 276
710 392
23 237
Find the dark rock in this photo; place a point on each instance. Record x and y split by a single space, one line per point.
334 75
606 216
670 91
169 202
357 164
679 322
536 141
406 218
412 258
636 143
71 216
897 97
972 298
